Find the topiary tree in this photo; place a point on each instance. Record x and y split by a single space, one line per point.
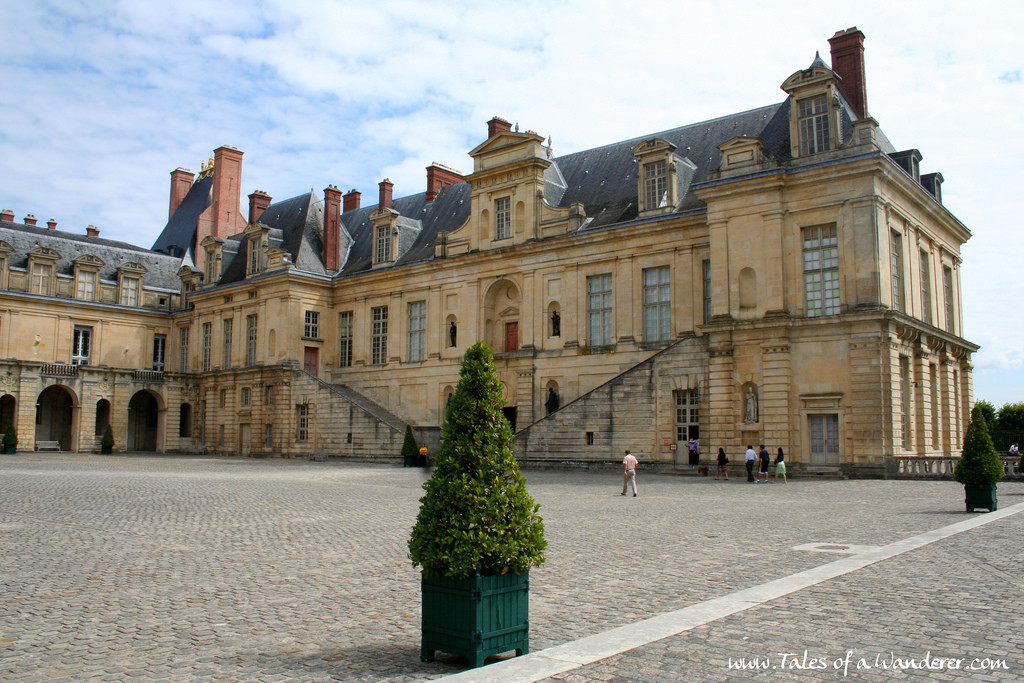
108 438
410 451
10 439
979 462
476 513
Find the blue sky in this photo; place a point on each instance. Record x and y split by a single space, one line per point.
102 100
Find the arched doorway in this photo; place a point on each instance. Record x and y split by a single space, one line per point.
55 416
8 412
143 422
501 317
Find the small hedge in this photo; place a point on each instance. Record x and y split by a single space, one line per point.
979 462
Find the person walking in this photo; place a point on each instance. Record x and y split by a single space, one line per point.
629 464
780 465
763 461
723 464
750 457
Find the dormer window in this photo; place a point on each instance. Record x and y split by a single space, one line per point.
655 185
130 291
503 218
257 237
129 278
382 242
813 125
254 256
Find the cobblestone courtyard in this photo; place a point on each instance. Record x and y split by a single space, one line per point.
231 569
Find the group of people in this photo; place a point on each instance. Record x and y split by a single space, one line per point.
760 459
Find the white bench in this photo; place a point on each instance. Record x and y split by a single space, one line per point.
47 445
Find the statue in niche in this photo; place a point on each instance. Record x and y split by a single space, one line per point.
750 414
453 333
552 403
556 324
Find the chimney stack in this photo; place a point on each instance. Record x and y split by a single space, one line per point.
222 218
351 199
258 203
386 189
848 63
439 176
181 182
497 125
7 215
51 224
332 226
92 231
29 220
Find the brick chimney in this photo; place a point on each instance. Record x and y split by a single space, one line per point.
92 231
7 215
497 125
439 176
29 220
332 226
222 218
51 224
258 203
352 200
848 63
181 182
386 188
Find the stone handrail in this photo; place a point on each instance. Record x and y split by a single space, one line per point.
149 376
60 370
915 467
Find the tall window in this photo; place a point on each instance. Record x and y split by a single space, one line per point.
252 329
503 218
229 330
821 270
896 270
159 352
383 244
130 291
812 123
379 335
81 345
655 185
905 400
947 293
312 326
824 430
687 414
85 285
417 330
183 349
933 376
926 288
246 397
599 310
268 435
40 280
706 268
302 412
657 304
345 339
254 254
207 345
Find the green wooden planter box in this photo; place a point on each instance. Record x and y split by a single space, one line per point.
476 616
981 497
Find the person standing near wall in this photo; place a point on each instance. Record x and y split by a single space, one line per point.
750 459
629 464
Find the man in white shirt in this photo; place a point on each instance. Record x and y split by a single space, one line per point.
629 464
751 458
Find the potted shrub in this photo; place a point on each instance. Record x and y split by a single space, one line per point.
11 439
409 449
979 468
107 442
477 533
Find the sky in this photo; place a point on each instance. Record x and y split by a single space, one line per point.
100 101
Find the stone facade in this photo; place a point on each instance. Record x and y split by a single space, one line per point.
781 276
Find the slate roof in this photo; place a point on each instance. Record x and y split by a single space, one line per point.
162 270
179 235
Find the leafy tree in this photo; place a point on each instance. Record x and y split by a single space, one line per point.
989 411
476 513
1011 418
979 462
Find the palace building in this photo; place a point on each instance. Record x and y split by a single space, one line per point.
783 276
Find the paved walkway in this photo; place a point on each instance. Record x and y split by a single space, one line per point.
230 569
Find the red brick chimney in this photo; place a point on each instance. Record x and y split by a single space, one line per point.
439 176
332 226
497 125
7 215
258 203
222 218
386 188
351 199
29 220
848 63
51 224
92 231
181 181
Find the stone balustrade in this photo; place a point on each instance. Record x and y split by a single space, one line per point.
913 467
59 370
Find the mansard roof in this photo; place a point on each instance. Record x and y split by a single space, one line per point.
179 235
161 270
